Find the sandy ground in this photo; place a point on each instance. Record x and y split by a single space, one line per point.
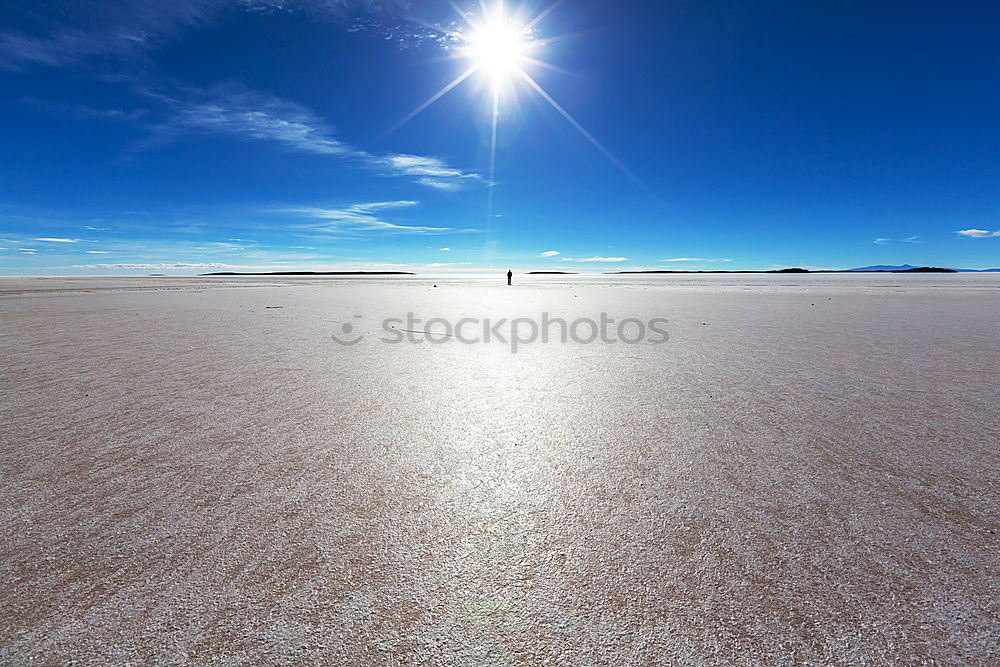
806 472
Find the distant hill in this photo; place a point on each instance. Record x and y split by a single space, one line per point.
902 268
926 269
884 267
313 273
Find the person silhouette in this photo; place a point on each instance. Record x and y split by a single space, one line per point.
509 276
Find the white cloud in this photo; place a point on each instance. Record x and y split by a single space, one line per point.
697 259
429 171
56 240
912 239
549 253
158 265
96 252
3 248
880 241
445 249
603 259
977 233
234 111
27 251
365 218
66 32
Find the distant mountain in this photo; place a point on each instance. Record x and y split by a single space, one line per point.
910 267
312 273
884 267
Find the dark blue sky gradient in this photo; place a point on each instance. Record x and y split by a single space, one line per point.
819 134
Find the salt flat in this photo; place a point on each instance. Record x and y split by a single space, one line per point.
194 470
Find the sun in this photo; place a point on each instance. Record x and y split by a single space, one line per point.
501 47
497 46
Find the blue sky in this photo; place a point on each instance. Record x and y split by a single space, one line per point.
141 136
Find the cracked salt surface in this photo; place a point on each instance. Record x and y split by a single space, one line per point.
190 478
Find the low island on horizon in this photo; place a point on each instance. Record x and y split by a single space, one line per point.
311 273
903 268
914 269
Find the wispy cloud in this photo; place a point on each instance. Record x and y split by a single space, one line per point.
697 259
156 266
977 233
83 111
429 171
365 217
64 33
58 33
234 111
912 239
96 252
549 253
49 239
445 249
880 241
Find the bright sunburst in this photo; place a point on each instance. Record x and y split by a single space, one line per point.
501 46
497 45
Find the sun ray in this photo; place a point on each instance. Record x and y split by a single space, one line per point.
491 186
548 66
587 135
461 14
545 12
431 100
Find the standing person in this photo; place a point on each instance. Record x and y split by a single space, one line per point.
509 276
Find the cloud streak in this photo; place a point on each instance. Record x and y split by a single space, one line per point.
977 233
696 259
237 112
64 32
365 218
428 171
59 33
156 266
234 111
